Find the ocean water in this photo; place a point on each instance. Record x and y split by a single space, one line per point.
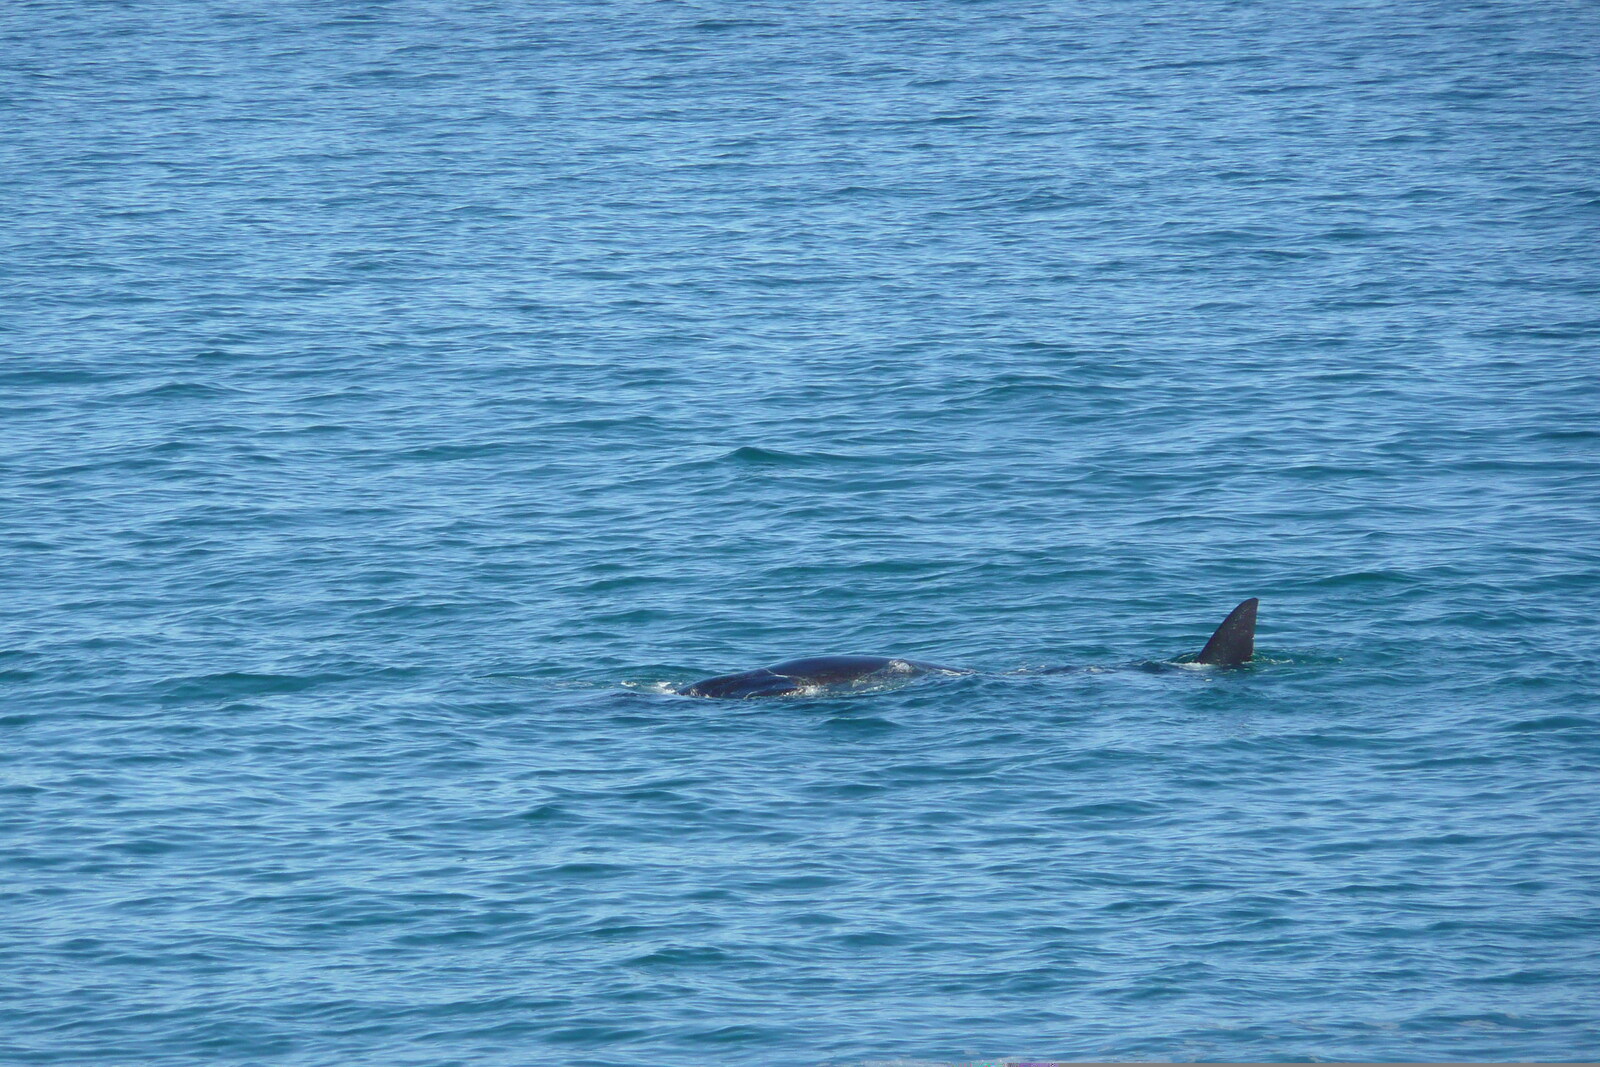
399 398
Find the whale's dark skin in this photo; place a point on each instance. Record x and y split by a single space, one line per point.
1231 645
1235 640
796 677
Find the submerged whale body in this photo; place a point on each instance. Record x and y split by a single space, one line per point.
1232 644
798 677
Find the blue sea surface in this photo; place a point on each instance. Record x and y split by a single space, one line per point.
399 399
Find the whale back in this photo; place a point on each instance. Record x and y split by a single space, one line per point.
831 670
742 686
1233 644
812 676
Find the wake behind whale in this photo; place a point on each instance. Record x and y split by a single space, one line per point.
1231 645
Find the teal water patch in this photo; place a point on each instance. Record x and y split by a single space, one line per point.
400 403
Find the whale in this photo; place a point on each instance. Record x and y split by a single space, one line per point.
804 677
1232 644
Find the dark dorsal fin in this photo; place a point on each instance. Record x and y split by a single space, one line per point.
1235 640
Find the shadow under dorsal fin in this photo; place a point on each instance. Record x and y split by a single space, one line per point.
1235 640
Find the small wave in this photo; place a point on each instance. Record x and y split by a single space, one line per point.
236 684
725 25
550 685
1360 578
754 456
49 377
653 688
178 391
1553 722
